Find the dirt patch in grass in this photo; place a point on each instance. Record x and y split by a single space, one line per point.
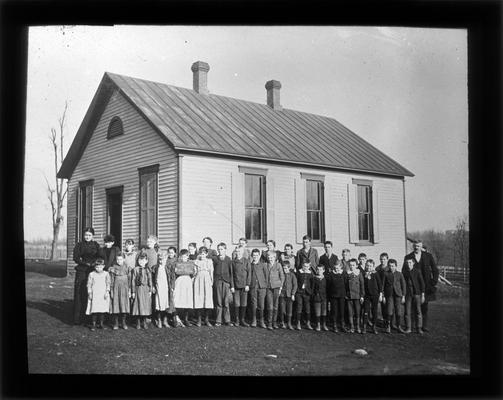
55 346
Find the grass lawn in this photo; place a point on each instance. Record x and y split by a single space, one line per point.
55 346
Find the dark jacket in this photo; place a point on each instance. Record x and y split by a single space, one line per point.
336 285
394 284
258 275
289 285
275 275
307 280
413 279
109 256
355 287
222 270
310 257
373 285
327 262
380 270
85 254
242 272
319 290
430 273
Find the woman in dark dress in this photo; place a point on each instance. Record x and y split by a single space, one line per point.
84 255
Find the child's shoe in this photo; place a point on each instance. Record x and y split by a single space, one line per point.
388 327
254 322
298 327
308 324
93 326
198 323
289 325
262 324
420 331
283 325
374 329
400 329
335 329
124 324
351 328
138 325
318 327
145 326
165 322
408 330
324 326
158 323
207 321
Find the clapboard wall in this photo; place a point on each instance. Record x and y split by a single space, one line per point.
115 162
211 187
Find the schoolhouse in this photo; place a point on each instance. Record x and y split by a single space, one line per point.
151 158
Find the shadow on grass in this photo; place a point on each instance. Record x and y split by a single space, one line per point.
59 309
53 269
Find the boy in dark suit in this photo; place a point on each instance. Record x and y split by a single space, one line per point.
336 291
415 295
258 287
430 273
303 295
394 294
242 278
373 294
355 293
380 269
319 298
307 254
287 295
223 284
275 278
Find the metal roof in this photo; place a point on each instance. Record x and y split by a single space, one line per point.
218 124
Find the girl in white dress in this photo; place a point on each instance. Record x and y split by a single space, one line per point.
203 286
183 294
98 293
160 276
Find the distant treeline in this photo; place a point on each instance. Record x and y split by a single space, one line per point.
449 248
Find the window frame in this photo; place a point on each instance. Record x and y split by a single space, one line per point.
112 121
321 199
263 177
84 207
368 184
152 170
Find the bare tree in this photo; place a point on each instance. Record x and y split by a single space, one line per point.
461 246
57 193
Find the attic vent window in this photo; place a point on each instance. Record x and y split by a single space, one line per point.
115 128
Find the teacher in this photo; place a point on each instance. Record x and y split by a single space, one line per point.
84 255
430 274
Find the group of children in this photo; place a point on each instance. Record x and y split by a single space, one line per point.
161 286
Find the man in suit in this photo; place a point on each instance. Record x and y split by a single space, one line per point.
430 273
307 255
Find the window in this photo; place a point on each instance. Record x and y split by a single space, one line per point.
148 202
84 207
364 193
255 216
115 128
314 206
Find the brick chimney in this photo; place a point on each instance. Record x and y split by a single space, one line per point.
200 77
273 88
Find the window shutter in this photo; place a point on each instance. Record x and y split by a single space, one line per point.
327 215
375 214
353 213
300 208
238 206
269 202
77 214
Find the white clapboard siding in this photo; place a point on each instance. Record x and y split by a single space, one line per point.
115 162
208 209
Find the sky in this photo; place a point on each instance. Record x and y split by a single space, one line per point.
404 90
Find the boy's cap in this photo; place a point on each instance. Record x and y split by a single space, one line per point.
109 238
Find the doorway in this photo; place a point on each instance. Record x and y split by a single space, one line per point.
114 214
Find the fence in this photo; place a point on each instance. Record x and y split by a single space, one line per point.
455 274
43 251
